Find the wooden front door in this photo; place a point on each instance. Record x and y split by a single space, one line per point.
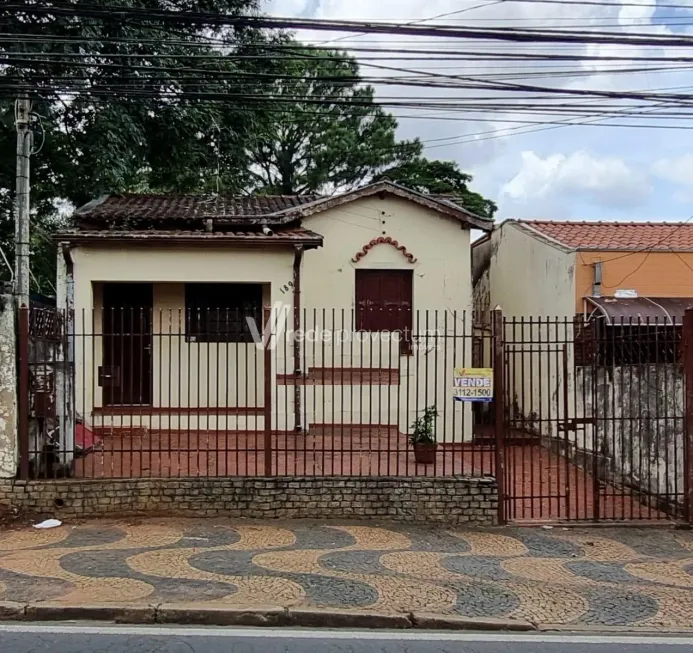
126 373
384 301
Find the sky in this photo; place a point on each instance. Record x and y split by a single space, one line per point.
570 172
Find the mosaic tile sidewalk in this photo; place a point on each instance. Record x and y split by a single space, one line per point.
597 577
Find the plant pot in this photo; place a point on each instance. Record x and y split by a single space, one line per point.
425 453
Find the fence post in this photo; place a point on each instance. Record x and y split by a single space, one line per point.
499 407
23 399
269 334
687 342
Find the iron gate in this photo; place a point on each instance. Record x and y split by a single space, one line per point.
594 424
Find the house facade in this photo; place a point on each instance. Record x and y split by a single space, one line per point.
164 292
563 268
592 341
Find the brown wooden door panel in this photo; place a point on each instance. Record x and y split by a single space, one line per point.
126 374
384 300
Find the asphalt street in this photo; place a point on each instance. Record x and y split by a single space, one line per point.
40 638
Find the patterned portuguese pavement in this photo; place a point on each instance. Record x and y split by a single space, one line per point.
589 577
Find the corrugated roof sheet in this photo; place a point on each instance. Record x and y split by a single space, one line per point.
659 310
616 235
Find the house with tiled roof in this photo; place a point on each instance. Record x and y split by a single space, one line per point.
170 293
592 347
614 270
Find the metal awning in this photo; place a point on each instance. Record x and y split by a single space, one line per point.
658 310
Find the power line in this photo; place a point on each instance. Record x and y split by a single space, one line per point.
246 21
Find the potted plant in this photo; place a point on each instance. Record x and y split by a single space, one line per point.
422 437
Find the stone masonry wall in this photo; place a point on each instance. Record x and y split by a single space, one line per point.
449 500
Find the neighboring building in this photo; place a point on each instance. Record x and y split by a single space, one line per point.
592 341
190 270
549 268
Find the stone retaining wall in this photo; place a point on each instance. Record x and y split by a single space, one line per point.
450 500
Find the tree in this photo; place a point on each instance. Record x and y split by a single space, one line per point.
440 178
96 141
325 132
123 104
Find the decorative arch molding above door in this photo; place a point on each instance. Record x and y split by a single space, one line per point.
383 240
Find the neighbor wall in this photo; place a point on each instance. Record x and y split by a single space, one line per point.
638 429
532 281
650 274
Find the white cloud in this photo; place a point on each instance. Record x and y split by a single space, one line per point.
595 176
607 181
677 171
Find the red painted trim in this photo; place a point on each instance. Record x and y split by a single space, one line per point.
104 431
137 410
343 376
383 240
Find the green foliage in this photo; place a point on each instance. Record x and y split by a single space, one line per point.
97 146
440 178
326 132
296 124
423 428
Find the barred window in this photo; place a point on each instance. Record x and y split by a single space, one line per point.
219 312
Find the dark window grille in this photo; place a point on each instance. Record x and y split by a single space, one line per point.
219 312
631 342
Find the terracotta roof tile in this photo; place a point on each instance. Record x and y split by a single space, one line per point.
616 235
297 234
151 211
188 207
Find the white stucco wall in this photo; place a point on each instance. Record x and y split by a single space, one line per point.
442 302
441 286
533 283
530 277
206 371
439 243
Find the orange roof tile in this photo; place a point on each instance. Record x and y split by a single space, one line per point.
621 236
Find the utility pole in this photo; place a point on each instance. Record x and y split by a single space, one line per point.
21 216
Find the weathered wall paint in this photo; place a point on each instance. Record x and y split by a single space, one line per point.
8 388
638 435
533 283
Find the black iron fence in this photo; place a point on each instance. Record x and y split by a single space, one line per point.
176 393
598 411
577 420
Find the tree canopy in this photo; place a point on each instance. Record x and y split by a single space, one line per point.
128 105
440 178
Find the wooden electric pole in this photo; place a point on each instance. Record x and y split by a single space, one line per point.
21 216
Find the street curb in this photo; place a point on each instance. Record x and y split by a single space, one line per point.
189 614
260 616
308 618
425 621
122 613
12 611
613 630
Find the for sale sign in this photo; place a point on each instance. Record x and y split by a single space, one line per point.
472 384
